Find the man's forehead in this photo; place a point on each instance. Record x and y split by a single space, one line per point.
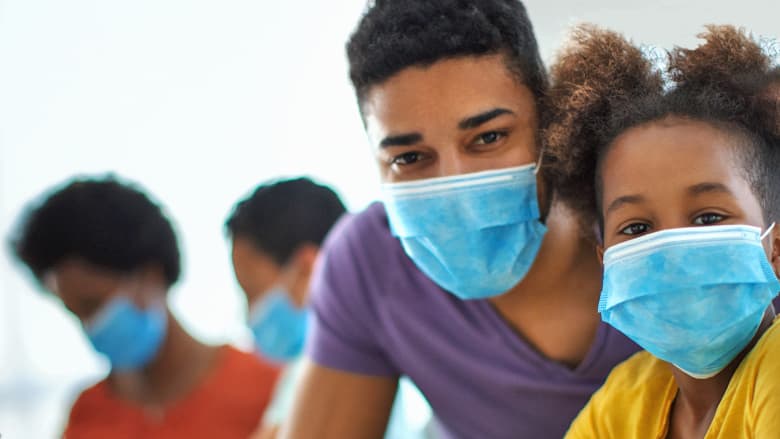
80 274
453 79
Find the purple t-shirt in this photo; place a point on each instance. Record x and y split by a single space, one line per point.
377 314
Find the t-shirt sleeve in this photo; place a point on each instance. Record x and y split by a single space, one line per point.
74 419
586 424
629 404
84 420
346 329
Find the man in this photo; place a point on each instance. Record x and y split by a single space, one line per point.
472 278
110 255
276 235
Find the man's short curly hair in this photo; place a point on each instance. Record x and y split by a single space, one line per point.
282 215
395 34
105 222
603 86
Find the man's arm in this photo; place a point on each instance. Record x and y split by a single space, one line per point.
332 404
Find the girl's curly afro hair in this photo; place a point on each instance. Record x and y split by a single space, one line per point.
602 85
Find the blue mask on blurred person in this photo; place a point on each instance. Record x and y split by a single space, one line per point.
693 297
475 235
130 337
279 327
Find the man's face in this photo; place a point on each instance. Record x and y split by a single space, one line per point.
456 116
85 288
255 271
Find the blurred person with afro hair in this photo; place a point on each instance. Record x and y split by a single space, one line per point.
110 255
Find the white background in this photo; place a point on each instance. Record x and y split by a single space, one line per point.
199 101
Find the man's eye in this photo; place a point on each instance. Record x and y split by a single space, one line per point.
635 229
489 137
406 158
707 219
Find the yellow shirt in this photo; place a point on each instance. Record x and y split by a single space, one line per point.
636 399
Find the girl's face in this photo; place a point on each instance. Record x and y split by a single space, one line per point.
674 173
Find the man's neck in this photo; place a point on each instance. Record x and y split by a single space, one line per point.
180 366
566 266
555 307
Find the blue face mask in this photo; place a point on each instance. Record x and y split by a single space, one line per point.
279 327
130 337
693 297
475 235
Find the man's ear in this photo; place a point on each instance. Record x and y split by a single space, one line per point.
152 282
305 257
300 270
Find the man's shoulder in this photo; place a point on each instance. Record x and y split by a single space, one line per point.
95 402
363 238
96 394
239 386
369 224
240 366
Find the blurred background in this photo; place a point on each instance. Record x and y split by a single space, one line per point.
199 101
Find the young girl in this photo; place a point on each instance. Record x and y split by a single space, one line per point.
686 196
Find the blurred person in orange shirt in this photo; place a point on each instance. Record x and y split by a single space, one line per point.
111 255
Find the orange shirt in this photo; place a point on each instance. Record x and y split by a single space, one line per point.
228 404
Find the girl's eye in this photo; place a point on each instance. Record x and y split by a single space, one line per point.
635 229
708 219
489 137
406 158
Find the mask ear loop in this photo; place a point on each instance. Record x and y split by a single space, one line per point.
767 232
543 216
539 161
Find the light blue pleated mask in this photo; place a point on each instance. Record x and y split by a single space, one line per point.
279 327
693 297
128 336
475 235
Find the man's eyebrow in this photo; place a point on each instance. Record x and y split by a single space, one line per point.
401 140
622 201
477 120
709 187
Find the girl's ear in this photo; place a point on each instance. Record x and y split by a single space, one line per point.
600 253
774 244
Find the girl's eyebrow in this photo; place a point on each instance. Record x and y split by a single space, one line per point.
623 200
694 190
709 187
